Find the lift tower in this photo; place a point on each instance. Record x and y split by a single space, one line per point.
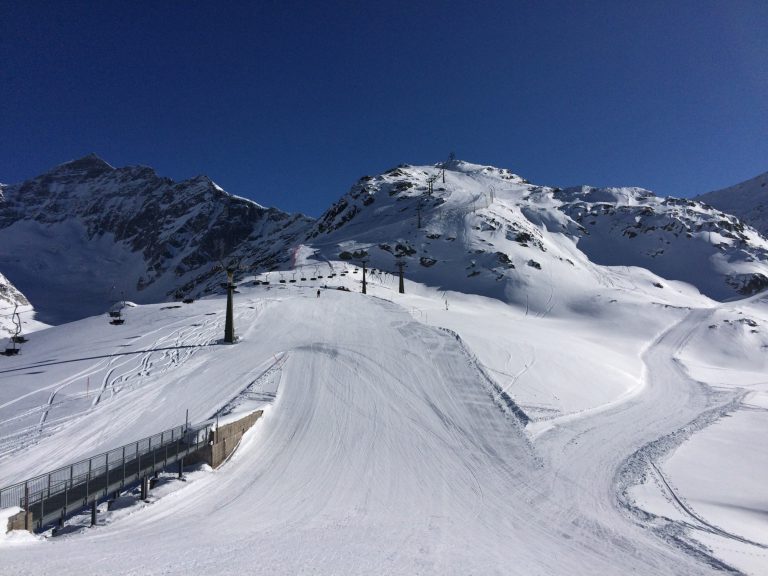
229 324
400 265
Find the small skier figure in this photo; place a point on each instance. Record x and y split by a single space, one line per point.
318 292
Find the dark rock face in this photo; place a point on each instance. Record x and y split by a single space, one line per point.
748 284
676 238
165 236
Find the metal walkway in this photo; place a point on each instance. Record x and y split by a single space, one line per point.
54 496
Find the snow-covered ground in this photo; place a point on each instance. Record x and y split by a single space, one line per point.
385 446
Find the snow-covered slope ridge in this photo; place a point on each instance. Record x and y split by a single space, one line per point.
747 200
506 235
675 238
85 232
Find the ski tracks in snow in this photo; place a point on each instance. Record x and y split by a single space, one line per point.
108 375
165 353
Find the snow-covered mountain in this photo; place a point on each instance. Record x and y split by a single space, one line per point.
85 234
747 200
506 233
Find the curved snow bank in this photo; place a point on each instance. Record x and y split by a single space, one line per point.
552 366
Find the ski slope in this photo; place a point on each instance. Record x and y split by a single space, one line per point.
384 447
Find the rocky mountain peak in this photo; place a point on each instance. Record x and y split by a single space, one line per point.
88 165
88 231
456 220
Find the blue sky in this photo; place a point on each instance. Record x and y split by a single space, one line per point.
288 103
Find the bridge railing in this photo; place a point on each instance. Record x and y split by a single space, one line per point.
51 495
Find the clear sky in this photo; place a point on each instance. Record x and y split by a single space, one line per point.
288 103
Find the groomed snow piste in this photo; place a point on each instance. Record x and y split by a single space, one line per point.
385 446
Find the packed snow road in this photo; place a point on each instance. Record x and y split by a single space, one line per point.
384 452
595 458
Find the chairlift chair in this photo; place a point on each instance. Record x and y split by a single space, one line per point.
16 337
116 317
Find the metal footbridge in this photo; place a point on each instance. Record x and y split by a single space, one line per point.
54 496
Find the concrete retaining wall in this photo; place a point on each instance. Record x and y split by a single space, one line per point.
225 439
20 521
